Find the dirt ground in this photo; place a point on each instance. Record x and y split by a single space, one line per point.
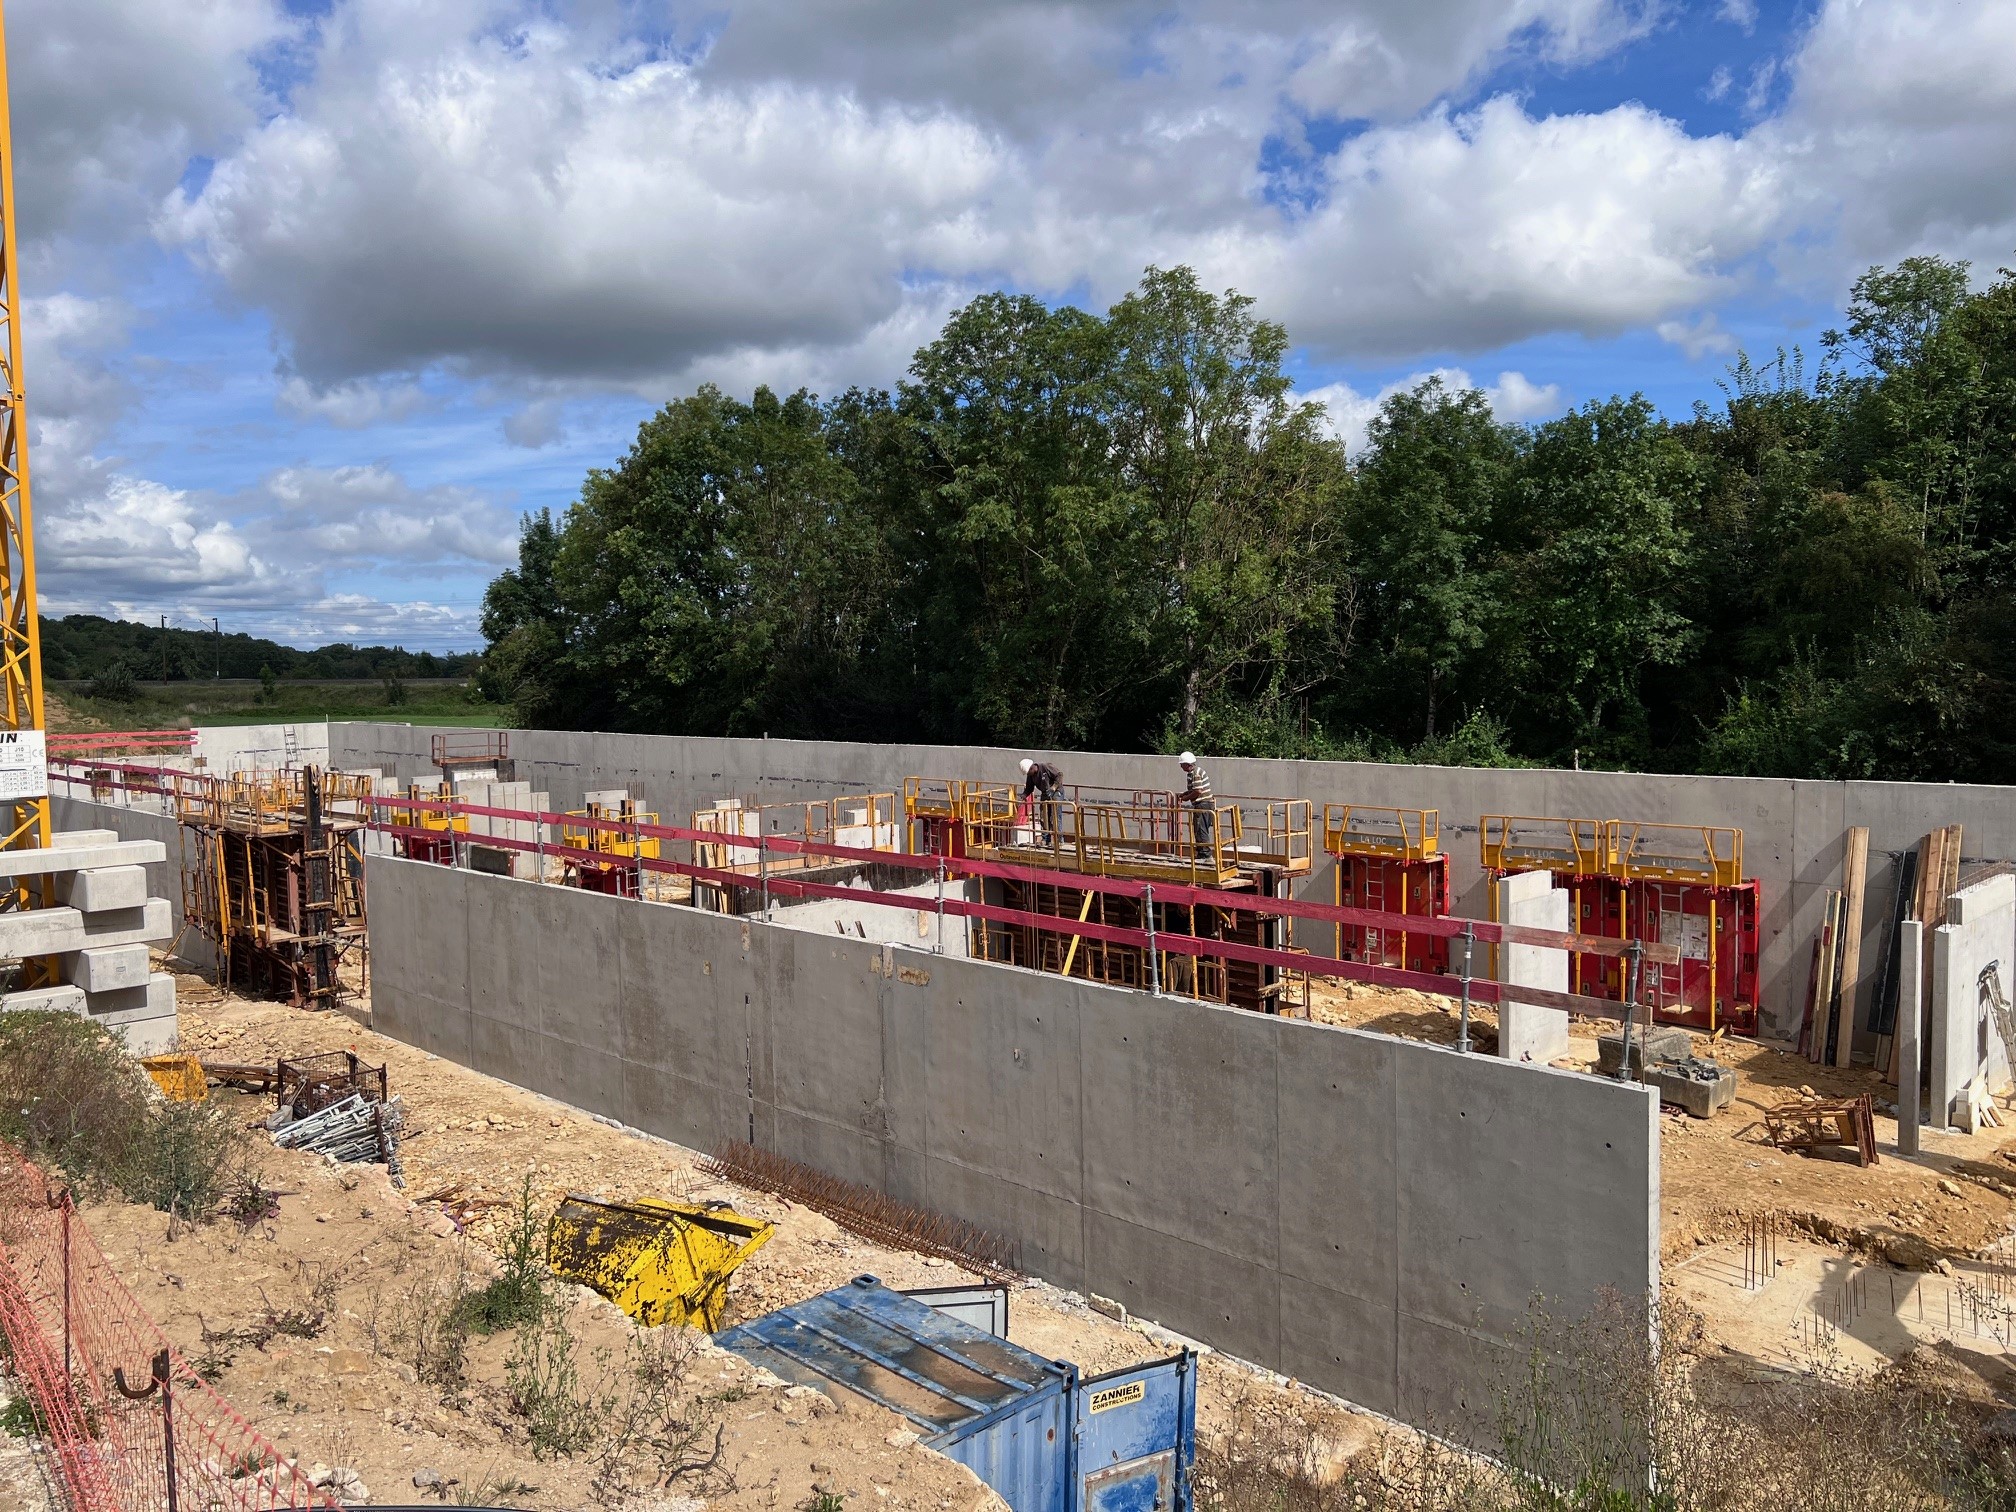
346 1245
344 1242
1947 1203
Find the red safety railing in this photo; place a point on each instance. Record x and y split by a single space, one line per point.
1458 982
129 1424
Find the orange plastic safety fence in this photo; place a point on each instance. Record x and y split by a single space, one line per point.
130 1425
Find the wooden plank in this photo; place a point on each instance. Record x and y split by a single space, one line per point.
1854 875
1823 986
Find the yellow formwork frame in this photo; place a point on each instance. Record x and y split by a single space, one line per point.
25 820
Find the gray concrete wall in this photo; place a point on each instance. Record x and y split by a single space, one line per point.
914 928
1979 936
1793 831
1369 1214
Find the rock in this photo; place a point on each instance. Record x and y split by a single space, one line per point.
1950 1188
903 1438
1106 1307
2001 1428
1910 1252
318 1474
820 1467
425 1479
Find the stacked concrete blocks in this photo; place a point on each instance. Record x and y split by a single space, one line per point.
99 930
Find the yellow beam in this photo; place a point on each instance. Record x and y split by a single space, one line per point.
25 820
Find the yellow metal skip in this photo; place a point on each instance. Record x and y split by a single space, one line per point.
661 1262
180 1077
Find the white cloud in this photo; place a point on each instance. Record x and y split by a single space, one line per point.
1475 231
1902 119
111 98
370 515
1742 13
134 535
537 425
1719 83
352 405
1698 338
1514 399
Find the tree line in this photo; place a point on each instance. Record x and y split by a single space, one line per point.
1128 532
81 646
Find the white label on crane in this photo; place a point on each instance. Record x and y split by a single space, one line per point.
24 765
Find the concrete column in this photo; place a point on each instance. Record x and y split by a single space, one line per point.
1910 1005
1527 1032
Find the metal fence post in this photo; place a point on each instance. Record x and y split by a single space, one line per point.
939 947
1154 959
158 1380
1636 955
1463 1022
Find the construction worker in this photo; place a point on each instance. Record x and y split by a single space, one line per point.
1042 781
1197 793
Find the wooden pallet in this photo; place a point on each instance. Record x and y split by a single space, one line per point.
1815 1123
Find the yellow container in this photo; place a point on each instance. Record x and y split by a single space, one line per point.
180 1077
661 1262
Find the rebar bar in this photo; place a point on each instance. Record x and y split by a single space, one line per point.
864 1211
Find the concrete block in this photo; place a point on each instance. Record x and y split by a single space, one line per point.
1699 1087
77 838
152 1036
64 999
60 931
149 999
70 858
1527 1032
1657 1042
105 968
107 888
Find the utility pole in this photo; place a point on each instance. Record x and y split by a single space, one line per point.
164 648
218 634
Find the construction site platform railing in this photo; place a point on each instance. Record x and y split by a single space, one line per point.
1111 832
862 821
1626 850
1398 834
390 815
475 748
777 886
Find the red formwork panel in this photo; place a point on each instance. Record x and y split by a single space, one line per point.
439 849
1391 885
1714 986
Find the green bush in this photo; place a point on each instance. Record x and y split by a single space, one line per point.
71 1098
519 1294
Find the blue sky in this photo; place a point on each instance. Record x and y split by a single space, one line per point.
321 297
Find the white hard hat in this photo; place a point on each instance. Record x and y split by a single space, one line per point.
1188 758
1026 764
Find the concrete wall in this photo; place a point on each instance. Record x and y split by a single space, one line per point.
251 748
1369 1214
879 922
1793 831
1979 935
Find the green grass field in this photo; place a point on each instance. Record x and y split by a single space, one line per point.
228 701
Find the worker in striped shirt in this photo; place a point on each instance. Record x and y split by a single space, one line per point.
1197 793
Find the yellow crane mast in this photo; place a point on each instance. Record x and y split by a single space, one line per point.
24 801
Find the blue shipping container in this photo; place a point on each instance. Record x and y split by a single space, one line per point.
1045 1439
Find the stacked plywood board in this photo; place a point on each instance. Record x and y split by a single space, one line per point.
98 931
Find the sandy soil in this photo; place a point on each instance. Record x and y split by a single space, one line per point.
471 1141
346 1244
1949 1202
